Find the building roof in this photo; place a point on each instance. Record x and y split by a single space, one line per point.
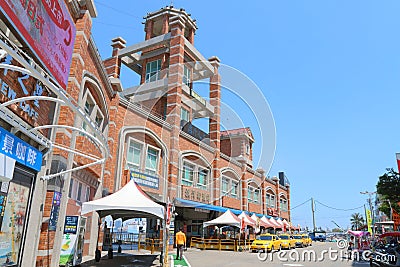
238 132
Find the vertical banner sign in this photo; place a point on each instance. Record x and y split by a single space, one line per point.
55 208
369 221
49 30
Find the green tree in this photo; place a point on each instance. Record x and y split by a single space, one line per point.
337 230
388 188
357 221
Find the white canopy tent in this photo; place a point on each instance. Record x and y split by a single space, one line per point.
267 222
247 220
228 218
128 202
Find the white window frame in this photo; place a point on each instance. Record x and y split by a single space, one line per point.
233 193
185 181
128 164
256 200
187 75
268 199
93 114
149 75
188 114
200 185
153 171
141 167
283 204
79 199
250 189
225 178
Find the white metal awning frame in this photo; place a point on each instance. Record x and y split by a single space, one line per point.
30 67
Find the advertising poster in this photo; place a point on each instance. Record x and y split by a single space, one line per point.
67 249
49 30
71 224
13 223
54 211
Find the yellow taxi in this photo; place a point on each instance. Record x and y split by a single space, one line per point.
299 240
306 240
266 242
287 241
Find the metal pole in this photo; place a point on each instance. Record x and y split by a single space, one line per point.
313 214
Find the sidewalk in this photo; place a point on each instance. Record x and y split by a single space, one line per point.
127 258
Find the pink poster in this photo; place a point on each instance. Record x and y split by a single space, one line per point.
48 28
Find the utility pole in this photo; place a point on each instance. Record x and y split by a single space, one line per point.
371 208
313 214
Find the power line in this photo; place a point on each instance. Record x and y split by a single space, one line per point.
338 208
118 10
301 204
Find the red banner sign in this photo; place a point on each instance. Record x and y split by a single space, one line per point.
48 28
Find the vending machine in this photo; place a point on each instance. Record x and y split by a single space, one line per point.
73 240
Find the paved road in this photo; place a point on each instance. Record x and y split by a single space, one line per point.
326 255
128 259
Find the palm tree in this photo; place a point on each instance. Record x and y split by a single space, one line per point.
357 221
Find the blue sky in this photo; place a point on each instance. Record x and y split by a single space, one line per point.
330 71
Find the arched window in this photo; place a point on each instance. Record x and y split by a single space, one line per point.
195 172
230 185
142 154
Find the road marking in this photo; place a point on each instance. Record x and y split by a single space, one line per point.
292 264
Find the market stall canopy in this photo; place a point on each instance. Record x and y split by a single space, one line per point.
275 223
259 221
228 218
267 222
247 220
286 224
128 202
280 222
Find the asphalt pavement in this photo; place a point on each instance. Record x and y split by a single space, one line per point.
319 254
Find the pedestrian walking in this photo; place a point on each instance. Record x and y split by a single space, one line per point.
180 240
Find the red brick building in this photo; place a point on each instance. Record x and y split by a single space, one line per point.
157 143
99 136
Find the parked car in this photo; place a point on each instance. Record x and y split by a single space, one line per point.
266 242
306 240
318 236
299 240
287 241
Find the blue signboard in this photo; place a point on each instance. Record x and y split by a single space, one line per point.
71 225
21 151
145 179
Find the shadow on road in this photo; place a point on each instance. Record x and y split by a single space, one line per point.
126 260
